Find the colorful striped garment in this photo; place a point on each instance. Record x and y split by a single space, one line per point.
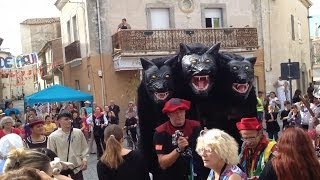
232 169
253 161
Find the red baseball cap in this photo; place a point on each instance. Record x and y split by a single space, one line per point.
174 104
249 124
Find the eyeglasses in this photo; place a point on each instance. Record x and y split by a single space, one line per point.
204 151
249 139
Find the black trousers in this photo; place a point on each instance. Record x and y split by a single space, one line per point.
100 144
78 176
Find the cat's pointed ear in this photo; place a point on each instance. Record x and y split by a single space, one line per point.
184 49
172 61
146 63
252 60
224 58
214 49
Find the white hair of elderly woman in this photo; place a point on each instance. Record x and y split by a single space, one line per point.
5 120
224 145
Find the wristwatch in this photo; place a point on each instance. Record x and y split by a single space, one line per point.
178 150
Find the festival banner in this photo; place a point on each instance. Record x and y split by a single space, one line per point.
20 61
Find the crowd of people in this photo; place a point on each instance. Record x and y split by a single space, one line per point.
53 142
67 131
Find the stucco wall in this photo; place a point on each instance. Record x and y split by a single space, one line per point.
272 20
34 37
25 38
238 14
120 86
277 38
70 10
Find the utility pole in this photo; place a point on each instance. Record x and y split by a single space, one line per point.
290 78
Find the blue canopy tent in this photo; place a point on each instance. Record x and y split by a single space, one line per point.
57 93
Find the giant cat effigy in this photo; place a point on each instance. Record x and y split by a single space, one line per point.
218 84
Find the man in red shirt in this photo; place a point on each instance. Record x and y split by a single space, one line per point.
177 158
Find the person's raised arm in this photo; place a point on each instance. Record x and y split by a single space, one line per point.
168 160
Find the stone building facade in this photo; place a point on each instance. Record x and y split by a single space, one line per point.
284 33
104 62
35 33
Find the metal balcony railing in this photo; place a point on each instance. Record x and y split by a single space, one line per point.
72 51
169 40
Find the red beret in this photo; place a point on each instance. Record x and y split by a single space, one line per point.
249 124
174 104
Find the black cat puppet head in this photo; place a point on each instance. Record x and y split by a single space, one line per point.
238 74
158 78
199 66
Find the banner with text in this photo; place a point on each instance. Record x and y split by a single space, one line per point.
20 61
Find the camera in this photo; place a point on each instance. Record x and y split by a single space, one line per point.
175 137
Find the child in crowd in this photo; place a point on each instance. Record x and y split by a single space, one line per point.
49 126
19 126
131 125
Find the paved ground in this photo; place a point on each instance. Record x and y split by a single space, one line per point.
91 172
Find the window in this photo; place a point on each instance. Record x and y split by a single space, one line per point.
160 18
77 84
299 31
213 17
74 28
292 27
69 32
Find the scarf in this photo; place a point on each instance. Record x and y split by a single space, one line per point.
97 115
251 159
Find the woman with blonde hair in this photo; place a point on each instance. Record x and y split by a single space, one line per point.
219 152
117 162
22 158
25 173
18 158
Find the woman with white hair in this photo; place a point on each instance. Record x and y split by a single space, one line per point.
219 152
7 124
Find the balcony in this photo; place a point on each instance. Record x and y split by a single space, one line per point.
129 45
169 40
72 51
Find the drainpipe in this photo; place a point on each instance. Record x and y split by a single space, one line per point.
269 35
62 74
100 52
312 60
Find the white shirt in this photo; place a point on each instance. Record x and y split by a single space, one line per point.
58 143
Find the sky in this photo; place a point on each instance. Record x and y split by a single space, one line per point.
315 13
13 12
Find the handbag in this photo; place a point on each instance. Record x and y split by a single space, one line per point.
68 172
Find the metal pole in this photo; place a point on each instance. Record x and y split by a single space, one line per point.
290 80
100 52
